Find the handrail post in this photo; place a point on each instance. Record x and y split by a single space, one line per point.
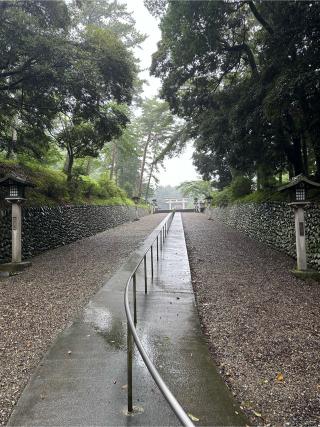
145 274
151 261
129 365
157 248
134 279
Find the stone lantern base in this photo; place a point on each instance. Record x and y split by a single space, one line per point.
307 274
11 268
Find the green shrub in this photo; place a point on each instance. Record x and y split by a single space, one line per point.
108 189
89 187
222 198
51 186
241 186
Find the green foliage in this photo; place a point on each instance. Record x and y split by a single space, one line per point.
262 196
157 128
240 186
226 197
222 198
51 186
245 76
199 189
54 64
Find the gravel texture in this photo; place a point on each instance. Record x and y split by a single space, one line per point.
262 324
37 304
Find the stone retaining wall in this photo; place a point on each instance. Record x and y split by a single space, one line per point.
273 223
49 227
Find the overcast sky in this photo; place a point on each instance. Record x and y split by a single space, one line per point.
180 168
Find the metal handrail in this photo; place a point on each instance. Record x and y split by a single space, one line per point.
132 333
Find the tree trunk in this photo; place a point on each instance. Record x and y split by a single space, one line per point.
88 166
258 179
316 150
69 165
314 140
12 143
297 155
143 164
149 181
290 171
294 156
113 161
305 156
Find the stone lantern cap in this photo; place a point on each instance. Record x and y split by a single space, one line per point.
16 185
298 180
13 178
297 190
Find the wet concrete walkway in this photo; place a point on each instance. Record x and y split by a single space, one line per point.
82 379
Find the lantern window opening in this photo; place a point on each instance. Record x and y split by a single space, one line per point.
14 192
300 194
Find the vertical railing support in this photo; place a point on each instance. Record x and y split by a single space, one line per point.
134 280
145 274
151 254
129 365
157 248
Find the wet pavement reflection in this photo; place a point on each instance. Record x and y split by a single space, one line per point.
82 380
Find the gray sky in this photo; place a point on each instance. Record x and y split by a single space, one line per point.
178 169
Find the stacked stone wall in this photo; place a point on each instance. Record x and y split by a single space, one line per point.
273 223
49 227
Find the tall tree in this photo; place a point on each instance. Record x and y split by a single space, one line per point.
157 128
54 67
244 76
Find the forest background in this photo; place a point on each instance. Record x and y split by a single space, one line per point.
239 79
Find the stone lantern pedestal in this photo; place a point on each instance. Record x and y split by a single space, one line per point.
16 190
300 234
136 200
297 190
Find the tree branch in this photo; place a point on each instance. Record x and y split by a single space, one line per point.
260 18
22 68
11 85
245 48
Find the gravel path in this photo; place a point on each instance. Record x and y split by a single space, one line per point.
262 324
43 300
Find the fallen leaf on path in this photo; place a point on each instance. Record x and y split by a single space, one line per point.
192 417
257 414
279 376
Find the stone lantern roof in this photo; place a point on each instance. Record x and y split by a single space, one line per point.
298 180
13 178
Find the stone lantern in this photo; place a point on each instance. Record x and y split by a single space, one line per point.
196 204
297 190
136 200
208 200
154 205
15 186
